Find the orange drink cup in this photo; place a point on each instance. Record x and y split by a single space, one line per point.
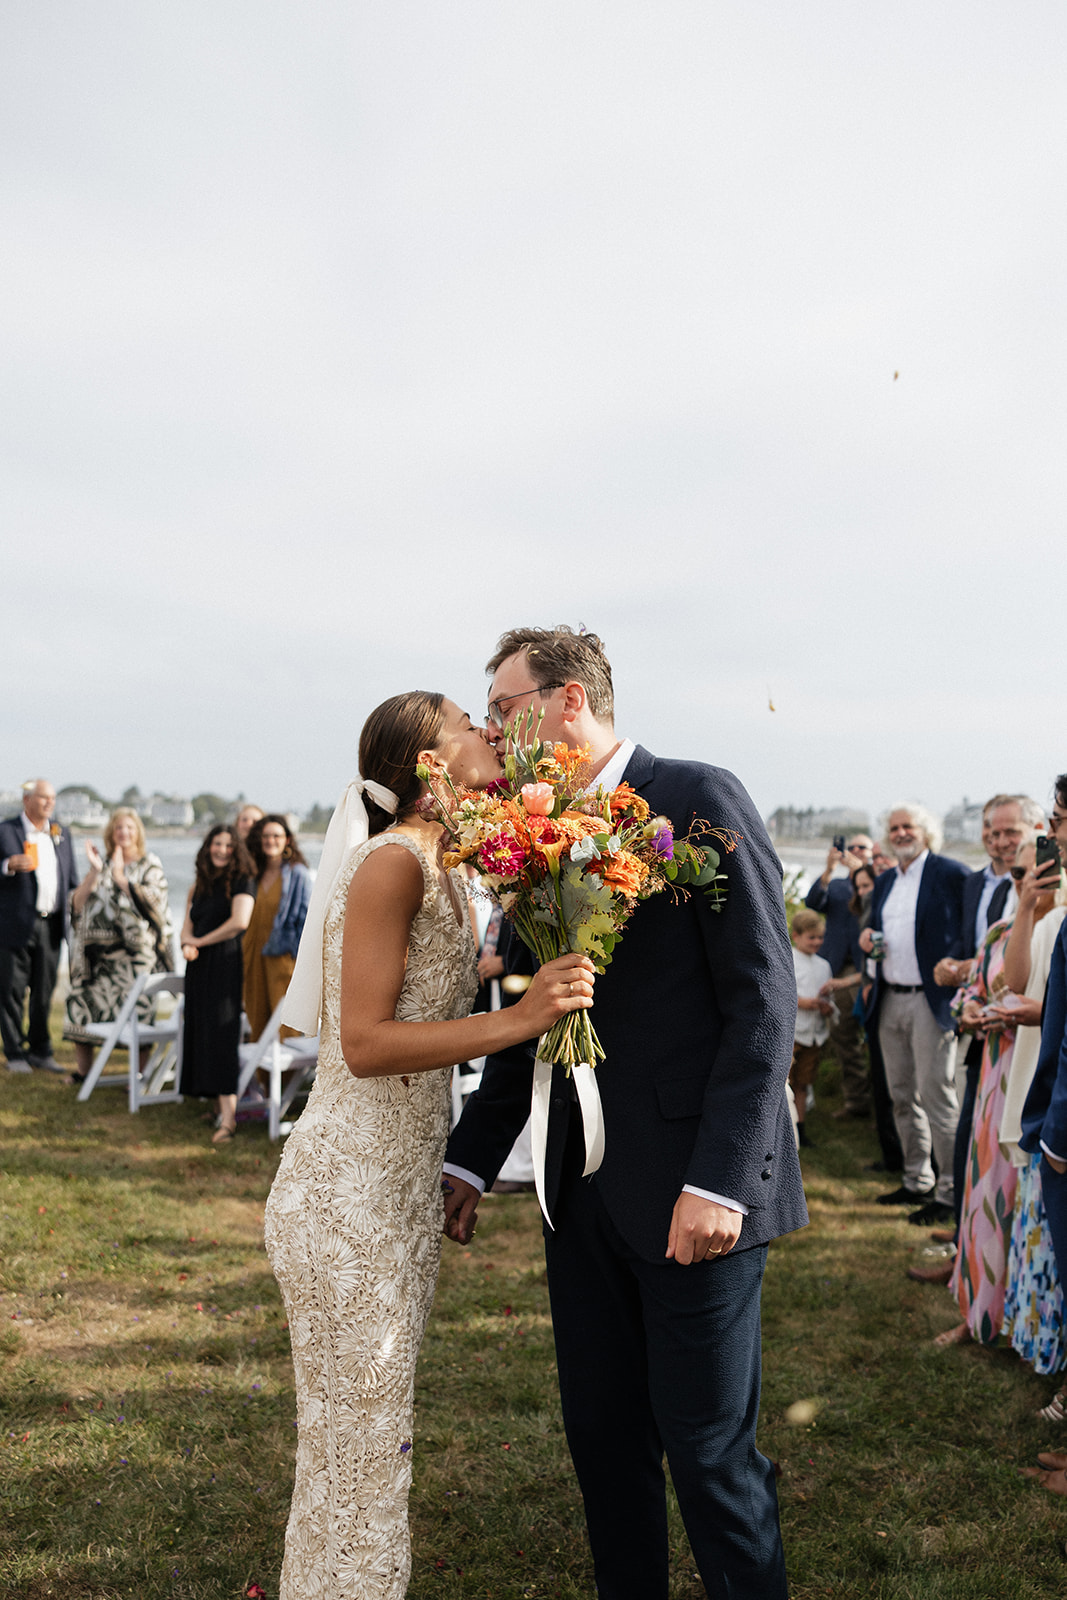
30 849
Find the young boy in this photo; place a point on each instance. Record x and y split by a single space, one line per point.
813 1008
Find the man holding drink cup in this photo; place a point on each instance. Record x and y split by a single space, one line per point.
37 873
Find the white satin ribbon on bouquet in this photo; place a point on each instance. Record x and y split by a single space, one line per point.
592 1111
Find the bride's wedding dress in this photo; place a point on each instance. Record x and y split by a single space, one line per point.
353 1231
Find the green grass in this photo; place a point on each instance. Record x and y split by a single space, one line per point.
147 1407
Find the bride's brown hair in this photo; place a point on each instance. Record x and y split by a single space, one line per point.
389 746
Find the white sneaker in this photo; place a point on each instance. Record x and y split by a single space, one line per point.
18 1065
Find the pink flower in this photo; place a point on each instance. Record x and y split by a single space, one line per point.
503 854
538 798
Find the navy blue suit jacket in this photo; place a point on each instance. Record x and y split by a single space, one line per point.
972 894
938 927
841 943
696 1015
1045 1112
18 890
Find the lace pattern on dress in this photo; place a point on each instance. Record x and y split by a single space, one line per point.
353 1231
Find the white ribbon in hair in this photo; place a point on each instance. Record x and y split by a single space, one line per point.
592 1123
349 828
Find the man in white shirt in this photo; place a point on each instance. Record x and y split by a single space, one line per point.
37 873
918 909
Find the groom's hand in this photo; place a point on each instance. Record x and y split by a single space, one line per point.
701 1229
461 1209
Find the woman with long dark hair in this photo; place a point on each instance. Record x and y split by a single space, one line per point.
216 914
353 1222
283 891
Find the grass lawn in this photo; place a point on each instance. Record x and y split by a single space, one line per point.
147 1417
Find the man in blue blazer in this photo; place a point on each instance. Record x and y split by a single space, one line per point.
918 908
37 873
655 1262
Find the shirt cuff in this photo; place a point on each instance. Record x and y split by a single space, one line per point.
5 869
706 1194
1055 1156
468 1177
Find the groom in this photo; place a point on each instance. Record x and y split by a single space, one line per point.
655 1263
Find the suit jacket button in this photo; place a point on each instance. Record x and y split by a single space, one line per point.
557 1100
764 1174
769 1156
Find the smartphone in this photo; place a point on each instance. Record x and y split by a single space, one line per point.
1046 850
839 842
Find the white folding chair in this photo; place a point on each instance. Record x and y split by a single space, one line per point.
155 1048
290 1067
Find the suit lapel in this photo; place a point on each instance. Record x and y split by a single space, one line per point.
640 769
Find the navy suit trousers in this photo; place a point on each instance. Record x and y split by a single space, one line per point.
659 1358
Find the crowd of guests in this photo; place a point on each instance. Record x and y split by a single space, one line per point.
957 980
941 992
243 918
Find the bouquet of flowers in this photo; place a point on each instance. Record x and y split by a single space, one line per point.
570 864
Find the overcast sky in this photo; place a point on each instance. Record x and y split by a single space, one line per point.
339 337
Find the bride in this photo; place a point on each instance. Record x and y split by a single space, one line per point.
353 1222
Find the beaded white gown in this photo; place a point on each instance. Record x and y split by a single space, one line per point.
353 1232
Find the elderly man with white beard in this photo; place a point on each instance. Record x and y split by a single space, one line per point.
918 910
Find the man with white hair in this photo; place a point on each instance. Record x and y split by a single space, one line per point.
918 910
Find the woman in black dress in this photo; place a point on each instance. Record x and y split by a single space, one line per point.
216 914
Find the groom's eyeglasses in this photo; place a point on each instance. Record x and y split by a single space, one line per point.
497 712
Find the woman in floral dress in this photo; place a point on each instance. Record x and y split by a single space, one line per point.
979 1276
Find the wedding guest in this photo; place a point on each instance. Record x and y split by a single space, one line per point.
120 929
245 821
832 896
863 882
883 858
655 1262
37 873
918 909
988 1008
987 897
1034 1322
283 890
814 1009
217 912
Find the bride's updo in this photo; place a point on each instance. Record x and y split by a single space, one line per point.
389 746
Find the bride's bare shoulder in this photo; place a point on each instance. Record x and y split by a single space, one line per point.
390 873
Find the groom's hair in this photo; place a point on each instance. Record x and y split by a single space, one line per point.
559 655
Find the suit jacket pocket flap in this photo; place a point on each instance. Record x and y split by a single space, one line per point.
681 1097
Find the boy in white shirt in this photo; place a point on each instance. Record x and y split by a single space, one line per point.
812 1028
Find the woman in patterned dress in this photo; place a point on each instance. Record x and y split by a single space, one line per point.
980 1273
353 1222
120 928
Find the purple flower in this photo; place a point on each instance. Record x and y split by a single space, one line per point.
663 844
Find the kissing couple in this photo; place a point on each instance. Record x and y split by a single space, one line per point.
655 1263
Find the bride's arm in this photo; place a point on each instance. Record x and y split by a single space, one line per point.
383 900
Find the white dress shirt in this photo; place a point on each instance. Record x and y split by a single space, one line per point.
901 964
47 867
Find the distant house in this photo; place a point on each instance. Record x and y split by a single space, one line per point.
164 812
790 823
75 808
963 824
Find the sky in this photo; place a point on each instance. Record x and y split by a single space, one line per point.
339 338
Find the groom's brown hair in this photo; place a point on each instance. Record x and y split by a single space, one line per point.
559 655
